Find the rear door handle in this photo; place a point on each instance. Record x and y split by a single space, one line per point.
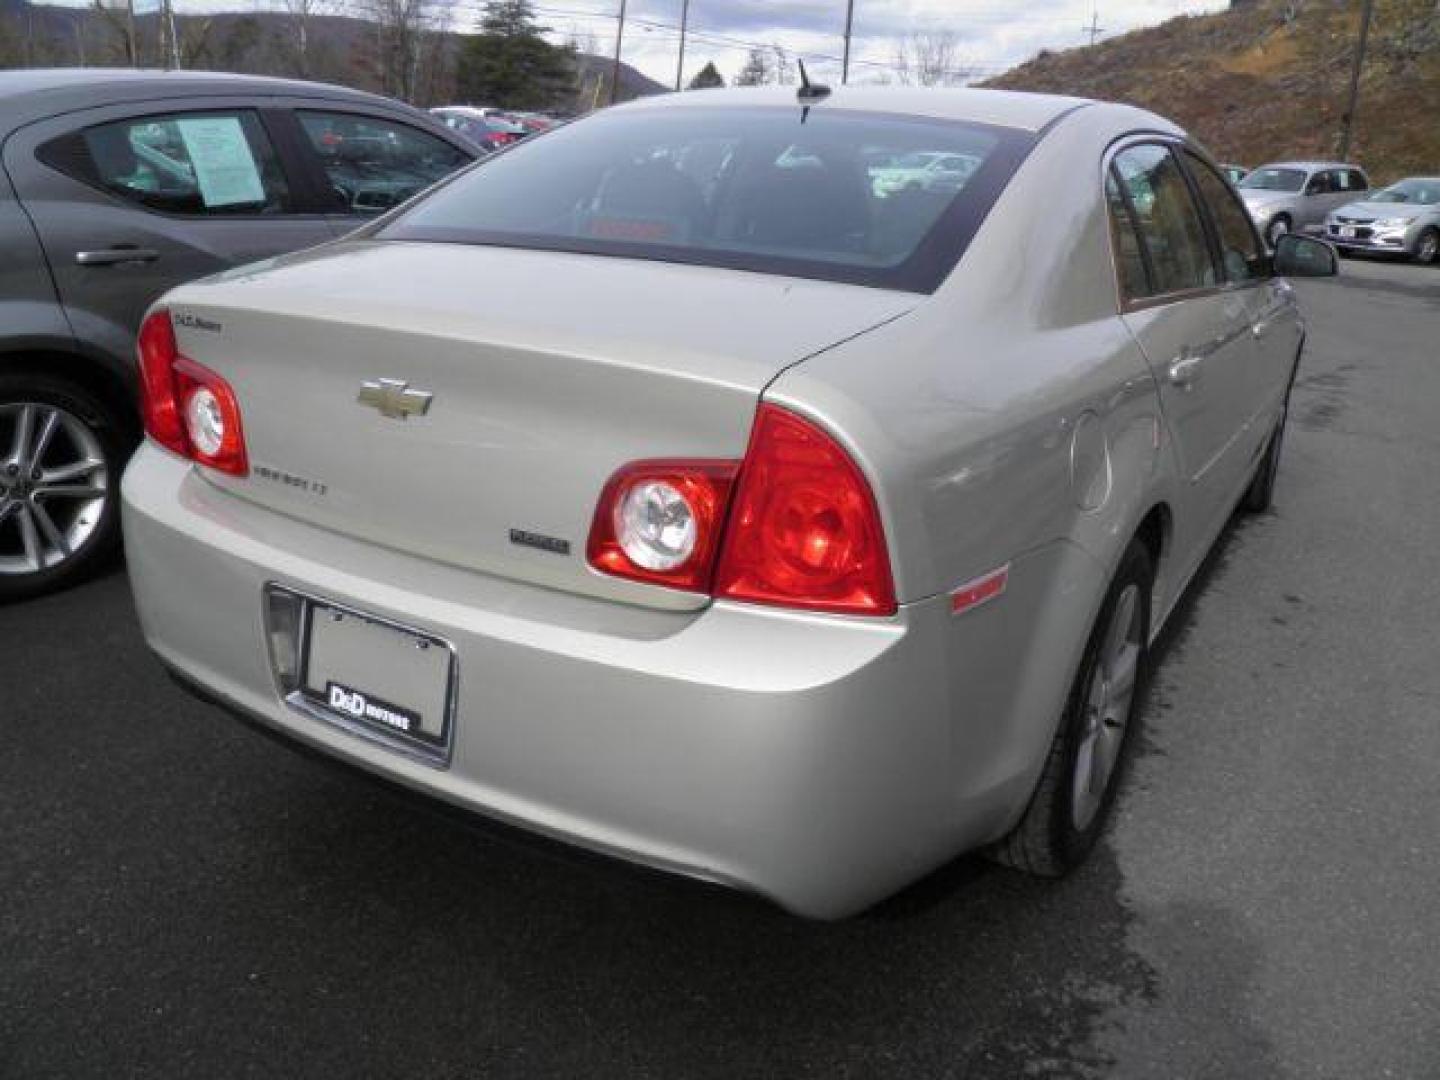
116 255
1184 370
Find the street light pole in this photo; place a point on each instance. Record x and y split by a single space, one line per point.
615 68
1347 121
849 26
680 67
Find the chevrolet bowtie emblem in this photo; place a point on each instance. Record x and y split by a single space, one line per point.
394 398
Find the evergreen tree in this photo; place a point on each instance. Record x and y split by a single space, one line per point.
707 78
510 65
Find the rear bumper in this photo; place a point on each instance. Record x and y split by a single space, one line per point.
811 759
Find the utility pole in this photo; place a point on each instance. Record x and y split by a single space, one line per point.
174 36
615 68
849 27
1347 120
680 67
1094 29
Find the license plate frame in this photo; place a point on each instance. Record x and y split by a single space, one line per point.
430 738
1347 232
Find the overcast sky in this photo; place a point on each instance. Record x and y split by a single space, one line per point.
992 34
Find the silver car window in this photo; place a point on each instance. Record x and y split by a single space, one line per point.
1171 231
1240 250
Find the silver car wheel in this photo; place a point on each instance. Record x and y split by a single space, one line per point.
1278 228
1107 707
53 486
1429 247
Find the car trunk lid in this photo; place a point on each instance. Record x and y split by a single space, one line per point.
547 371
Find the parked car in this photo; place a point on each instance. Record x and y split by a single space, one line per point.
922 171
1299 195
116 186
764 530
488 129
1235 173
1402 219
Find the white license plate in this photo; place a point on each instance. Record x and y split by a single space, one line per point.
369 673
1347 231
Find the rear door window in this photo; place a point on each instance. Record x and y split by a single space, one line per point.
210 163
372 164
1172 234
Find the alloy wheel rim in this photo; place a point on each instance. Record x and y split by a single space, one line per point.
53 486
1107 706
1277 230
1429 243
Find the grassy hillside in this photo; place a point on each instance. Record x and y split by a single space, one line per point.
1268 80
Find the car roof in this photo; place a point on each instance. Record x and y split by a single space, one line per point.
1310 166
32 94
1003 108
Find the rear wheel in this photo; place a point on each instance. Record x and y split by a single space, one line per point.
61 451
1427 248
1077 786
1276 229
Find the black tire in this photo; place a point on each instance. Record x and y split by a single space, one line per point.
1048 841
114 437
1427 247
1278 227
1260 494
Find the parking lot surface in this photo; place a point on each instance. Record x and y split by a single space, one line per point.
180 896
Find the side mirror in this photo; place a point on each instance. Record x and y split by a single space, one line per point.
1304 256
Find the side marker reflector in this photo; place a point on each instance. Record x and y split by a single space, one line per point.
979 591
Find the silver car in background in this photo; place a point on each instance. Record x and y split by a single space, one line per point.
755 526
1402 219
1297 196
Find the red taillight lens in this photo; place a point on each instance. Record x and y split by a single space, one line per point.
804 530
187 407
660 521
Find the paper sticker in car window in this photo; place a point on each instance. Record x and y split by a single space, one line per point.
225 168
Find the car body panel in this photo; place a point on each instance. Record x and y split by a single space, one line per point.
1012 422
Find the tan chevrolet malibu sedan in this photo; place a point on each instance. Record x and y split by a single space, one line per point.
671 485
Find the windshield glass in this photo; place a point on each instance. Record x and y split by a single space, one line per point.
766 189
1420 192
1274 180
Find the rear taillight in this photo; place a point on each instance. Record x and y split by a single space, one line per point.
801 530
188 408
660 521
804 530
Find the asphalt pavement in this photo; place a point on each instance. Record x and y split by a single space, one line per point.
182 897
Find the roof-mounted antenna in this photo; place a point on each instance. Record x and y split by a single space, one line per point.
809 92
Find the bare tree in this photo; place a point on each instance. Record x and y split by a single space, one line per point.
784 70
118 20
931 58
758 70
301 13
402 28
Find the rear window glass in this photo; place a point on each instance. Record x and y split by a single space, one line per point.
857 197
